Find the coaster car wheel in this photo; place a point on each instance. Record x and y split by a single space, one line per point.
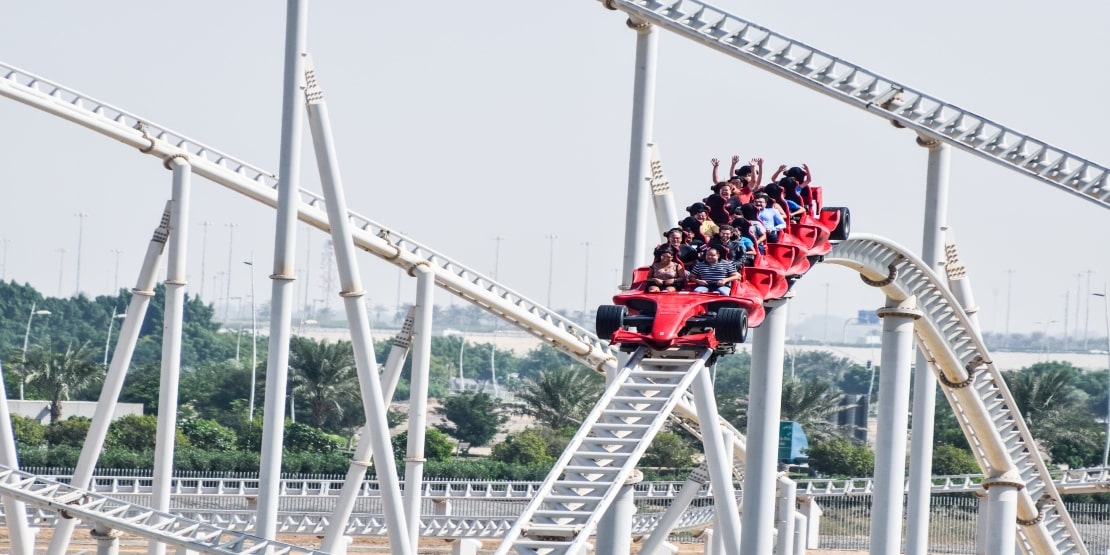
731 325
610 318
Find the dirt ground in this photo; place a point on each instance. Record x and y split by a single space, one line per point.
83 542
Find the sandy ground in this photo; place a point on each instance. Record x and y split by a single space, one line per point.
82 542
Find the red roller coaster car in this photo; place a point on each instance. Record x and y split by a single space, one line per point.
688 320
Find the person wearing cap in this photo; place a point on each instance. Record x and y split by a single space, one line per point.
700 212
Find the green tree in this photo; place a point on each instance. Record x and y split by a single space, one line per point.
526 447
302 438
58 375
669 450
475 417
560 398
69 432
28 431
138 433
1054 409
949 460
324 378
811 403
437 446
204 433
840 457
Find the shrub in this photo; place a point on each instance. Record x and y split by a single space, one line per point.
841 458
524 448
138 433
28 431
70 432
123 458
437 445
949 460
668 450
304 438
62 456
204 433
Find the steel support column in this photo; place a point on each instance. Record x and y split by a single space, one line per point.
284 270
890 439
614 531
764 410
117 372
374 402
418 400
171 342
643 115
1000 537
924 382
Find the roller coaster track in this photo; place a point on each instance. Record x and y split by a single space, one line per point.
972 384
999 438
878 95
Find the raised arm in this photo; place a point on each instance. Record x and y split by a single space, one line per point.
714 162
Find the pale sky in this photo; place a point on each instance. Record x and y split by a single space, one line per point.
460 122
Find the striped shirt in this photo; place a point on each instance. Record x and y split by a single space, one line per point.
713 272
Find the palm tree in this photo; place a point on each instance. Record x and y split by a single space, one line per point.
324 377
811 403
58 375
560 398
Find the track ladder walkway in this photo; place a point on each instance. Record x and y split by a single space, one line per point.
884 97
974 387
601 457
114 514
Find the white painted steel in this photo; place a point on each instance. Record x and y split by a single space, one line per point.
285 244
764 410
373 401
172 336
117 371
720 464
418 400
887 98
785 516
125 517
653 545
986 411
395 361
666 215
602 456
20 535
643 117
924 384
893 424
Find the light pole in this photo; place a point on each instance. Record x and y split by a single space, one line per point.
115 283
844 331
1009 296
1044 344
108 340
26 342
230 251
203 252
550 266
4 268
497 255
80 236
61 266
1106 312
254 341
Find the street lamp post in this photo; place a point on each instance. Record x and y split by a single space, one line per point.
1044 343
115 282
254 342
80 236
844 330
26 342
550 266
108 340
1106 312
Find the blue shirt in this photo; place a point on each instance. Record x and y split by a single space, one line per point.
771 219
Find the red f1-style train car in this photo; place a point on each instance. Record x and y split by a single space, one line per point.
685 320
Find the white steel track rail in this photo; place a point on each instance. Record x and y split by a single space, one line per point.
984 408
878 95
260 185
385 243
126 517
602 456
